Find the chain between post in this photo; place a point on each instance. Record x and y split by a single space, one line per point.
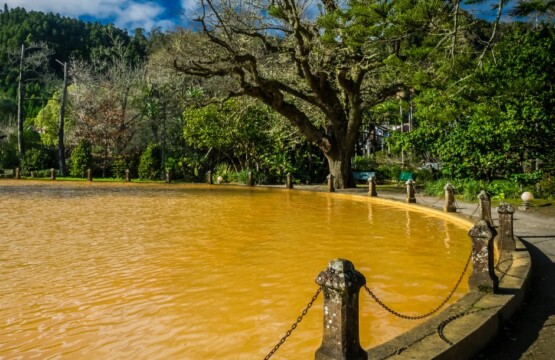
299 319
295 324
430 313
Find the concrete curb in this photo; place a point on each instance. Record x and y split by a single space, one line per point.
469 324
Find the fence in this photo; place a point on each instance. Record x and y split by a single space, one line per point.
341 284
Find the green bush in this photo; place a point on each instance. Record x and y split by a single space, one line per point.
546 188
173 165
119 165
389 172
81 159
503 189
8 155
39 158
425 175
436 188
223 170
242 176
363 163
151 163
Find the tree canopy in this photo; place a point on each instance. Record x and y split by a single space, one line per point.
322 66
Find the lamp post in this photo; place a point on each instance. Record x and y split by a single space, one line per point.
526 197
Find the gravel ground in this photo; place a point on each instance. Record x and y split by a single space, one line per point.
531 332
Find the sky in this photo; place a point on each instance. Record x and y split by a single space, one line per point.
125 14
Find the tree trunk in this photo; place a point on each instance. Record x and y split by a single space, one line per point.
339 163
61 147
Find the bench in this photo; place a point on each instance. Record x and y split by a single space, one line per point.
6 173
363 175
406 176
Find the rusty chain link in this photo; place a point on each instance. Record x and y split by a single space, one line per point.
423 199
423 316
299 319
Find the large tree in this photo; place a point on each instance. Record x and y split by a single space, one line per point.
320 64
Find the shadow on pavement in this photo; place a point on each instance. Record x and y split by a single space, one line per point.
520 337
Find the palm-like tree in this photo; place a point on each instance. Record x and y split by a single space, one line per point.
538 9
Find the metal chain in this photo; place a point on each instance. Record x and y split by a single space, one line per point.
299 319
421 196
294 326
423 316
474 212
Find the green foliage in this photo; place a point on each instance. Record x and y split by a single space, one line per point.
224 170
46 121
389 172
174 166
81 159
39 158
469 189
546 188
119 165
492 123
363 163
8 154
150 166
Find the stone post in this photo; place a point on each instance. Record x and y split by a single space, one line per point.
52 174
17 173
372 186
289 181
89 175
449 198
506 240
483 276
410 191
127 176
331 187
33 175
485 207
209 179
250 180
341 284
168 176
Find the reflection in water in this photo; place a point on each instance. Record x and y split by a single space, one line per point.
202 272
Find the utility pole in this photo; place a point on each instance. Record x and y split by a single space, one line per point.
61 146
20 114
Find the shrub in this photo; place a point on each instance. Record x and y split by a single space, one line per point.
242 176
119 165
81 159
363 163
546 188
8 155
223 170
39 158
150 164
389 171
503 189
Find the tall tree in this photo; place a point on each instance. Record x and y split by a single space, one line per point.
319 64
32 57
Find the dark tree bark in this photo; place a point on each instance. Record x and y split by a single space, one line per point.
61 146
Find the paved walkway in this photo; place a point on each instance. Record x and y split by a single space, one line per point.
531 332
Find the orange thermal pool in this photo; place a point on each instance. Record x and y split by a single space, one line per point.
129 271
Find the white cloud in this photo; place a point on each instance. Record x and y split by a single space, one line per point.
127 14
188 5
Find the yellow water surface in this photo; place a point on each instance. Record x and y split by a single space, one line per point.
135 271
